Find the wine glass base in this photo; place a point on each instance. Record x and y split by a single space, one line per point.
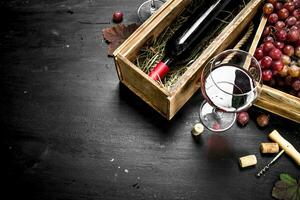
214 119
146 10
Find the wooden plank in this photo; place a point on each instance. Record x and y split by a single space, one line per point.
280 103
258 33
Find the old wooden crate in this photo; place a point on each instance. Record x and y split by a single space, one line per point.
165 102
271 99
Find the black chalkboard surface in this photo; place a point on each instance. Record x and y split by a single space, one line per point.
70 130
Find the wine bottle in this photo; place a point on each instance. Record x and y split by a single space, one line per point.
180 46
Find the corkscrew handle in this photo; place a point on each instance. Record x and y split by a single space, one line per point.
288 148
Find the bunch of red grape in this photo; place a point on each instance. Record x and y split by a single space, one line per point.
279 53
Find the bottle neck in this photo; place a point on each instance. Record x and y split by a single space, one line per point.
167 61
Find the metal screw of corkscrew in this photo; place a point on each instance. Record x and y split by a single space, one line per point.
267 167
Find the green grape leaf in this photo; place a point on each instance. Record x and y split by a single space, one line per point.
287 188
288 179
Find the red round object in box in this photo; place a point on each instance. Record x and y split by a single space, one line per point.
266 62
275 54
117 16
277 65
267 47
267 75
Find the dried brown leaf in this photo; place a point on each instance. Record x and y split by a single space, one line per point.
116 35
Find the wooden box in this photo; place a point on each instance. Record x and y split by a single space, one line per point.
165 102
271 99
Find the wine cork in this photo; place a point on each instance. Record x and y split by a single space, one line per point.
270 147
197 129
247 161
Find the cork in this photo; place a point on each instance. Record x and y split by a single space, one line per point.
197 129
270 147
247 161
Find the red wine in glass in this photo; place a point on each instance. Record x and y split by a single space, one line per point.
230 83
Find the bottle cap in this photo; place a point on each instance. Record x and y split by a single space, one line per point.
159 71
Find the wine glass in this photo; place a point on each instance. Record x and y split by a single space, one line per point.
230 83
148 8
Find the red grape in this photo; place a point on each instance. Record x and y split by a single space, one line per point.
267 75
296 85
297 51
297 43
268 39
294 27
277 65
279 25
294 71
283 13
293 35
272 1
117 16
288 50
268 8
296 3
281 35
268 46
266 31
296 13
278 5
266 62
275 54
259 54
263 120
291 20
273 18
279 45
242 118
289 6
284 71
285 59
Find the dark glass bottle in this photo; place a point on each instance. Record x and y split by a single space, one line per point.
183 42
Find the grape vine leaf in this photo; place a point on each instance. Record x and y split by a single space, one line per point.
287 188
116 35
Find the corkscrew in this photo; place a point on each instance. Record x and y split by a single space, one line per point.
267 167
286 147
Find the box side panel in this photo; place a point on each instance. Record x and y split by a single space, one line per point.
135 80
279 103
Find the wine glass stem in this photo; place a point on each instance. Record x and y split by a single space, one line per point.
216 114
152 6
